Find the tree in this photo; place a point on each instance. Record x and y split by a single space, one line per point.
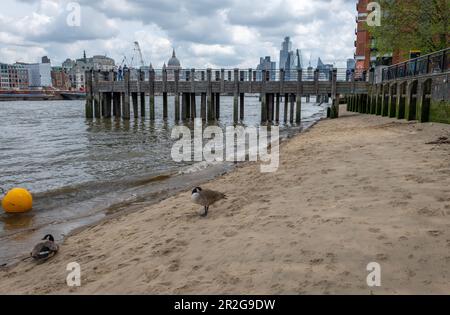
412 25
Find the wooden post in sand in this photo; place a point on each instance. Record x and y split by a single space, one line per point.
335 97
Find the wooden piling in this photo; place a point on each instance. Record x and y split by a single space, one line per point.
142 92
97 111
241 106
165 105
142 104
298 112
203 106
126 97
270 107
209 101
89 107
286 105
277 108
334 95
177 96
177 107
263 98
263 107
134 98
184 114
298 108
217 106
164 89
89 95
193 106
291 115
236 96
188 105
108 103
103 104
116 105
152 93
96 97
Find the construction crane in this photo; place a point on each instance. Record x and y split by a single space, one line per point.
137 49
135 55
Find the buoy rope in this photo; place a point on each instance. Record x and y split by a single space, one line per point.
2 191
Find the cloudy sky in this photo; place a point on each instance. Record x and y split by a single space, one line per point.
205 33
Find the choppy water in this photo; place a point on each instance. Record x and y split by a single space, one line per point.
79 170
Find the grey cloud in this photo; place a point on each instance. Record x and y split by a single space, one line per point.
211 22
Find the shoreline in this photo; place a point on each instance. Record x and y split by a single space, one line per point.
158 188
311 227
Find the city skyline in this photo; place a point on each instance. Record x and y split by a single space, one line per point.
240 35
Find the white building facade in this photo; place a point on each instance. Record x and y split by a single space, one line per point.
39 74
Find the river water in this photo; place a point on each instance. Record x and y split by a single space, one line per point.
81 170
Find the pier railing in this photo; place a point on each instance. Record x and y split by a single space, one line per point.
247 75
437 62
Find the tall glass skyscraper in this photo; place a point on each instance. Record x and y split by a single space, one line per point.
286 53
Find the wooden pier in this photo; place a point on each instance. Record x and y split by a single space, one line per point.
104 92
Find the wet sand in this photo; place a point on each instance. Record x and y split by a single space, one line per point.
350 191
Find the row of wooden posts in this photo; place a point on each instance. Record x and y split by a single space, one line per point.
116 104
111 98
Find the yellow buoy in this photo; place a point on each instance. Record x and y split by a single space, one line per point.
17 200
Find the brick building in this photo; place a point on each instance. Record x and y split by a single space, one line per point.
363 39
60 79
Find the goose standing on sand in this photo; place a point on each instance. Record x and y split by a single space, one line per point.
206 198
45 250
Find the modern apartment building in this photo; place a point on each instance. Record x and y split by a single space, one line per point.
4 76
13 77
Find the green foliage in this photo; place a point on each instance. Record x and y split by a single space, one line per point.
412 25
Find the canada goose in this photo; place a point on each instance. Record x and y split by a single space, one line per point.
45 250
206 198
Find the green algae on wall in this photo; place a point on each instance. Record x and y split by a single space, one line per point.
440 112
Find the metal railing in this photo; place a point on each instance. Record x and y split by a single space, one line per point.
437 62
228 75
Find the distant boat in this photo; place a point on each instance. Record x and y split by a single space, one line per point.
73 95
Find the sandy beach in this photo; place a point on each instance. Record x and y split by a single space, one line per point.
348 192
